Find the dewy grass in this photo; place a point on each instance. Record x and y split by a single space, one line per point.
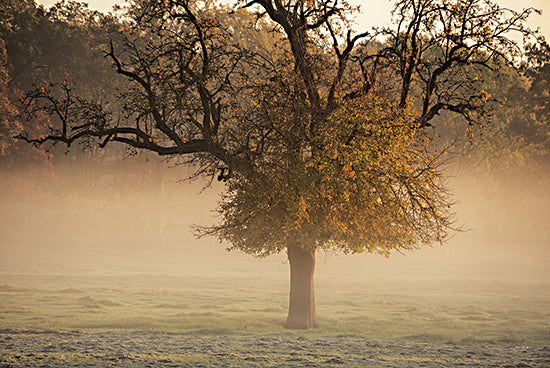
431 311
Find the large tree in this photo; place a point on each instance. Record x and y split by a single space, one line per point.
323 135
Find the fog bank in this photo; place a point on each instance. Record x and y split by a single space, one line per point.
135 221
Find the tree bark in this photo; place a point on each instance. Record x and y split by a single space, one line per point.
301 310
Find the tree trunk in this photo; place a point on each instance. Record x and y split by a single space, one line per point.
301 309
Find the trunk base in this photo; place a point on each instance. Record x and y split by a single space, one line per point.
301 309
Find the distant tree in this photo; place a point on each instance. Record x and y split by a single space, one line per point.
8 112
537 99
515 141
62 43
16 155
57 43
324 141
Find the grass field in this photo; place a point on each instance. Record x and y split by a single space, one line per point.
231 320
450 309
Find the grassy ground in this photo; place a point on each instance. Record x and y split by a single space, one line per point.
140 320
451 309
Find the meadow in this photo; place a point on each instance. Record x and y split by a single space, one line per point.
446 310
235 319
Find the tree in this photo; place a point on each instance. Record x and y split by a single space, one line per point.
325 141
515 142
59 43
8 125
14 153
63 43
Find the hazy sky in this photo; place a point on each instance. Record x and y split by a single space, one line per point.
377 12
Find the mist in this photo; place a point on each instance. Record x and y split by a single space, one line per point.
140 218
